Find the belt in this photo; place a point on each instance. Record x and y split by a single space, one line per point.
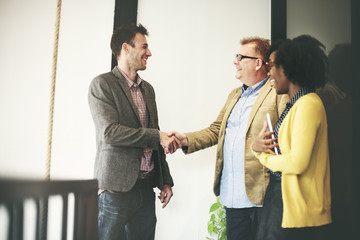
145 183
140 184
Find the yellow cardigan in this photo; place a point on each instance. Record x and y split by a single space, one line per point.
304 163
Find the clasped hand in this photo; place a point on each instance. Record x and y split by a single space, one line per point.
172 141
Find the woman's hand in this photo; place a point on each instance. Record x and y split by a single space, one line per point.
263 142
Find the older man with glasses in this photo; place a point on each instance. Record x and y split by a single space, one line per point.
240 179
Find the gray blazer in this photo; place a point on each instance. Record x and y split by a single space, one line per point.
120 138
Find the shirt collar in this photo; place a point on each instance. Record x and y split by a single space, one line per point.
130 82
303 91
254 87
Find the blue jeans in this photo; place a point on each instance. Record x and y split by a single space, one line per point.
241 223
127 215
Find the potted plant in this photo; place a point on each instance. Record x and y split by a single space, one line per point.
217 222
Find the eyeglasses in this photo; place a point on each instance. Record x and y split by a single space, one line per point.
269 64
239 57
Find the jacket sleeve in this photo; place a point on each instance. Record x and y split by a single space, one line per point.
209 136
167 179
107 123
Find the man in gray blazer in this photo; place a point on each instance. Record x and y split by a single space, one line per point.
130 159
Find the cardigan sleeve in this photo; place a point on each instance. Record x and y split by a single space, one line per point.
297 138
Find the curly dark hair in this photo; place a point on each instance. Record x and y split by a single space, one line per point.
125 34
303 59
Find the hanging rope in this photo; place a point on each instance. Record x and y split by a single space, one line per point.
52 91
44 203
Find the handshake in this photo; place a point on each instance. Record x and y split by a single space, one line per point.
172 141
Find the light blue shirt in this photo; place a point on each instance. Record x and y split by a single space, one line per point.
232 183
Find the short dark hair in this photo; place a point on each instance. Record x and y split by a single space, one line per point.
303 59
125 34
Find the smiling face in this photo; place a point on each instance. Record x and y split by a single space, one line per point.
246 67
281 83
139 53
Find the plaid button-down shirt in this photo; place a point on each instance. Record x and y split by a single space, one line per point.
146 164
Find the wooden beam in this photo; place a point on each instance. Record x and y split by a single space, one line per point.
125 12
278 19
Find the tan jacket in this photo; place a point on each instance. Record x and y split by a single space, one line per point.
256 178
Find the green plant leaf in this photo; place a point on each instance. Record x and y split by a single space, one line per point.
220 213
215 206
223 224
210 228
223 236
217 223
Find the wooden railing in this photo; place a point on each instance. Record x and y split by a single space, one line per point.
13 194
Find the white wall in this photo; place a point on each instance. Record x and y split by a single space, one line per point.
26 46
193 45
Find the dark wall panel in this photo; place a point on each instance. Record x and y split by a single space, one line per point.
125 12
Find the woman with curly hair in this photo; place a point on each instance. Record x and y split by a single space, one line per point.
297 201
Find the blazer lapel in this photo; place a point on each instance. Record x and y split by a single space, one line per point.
149 104
232 104
126 90
259 100
228 110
